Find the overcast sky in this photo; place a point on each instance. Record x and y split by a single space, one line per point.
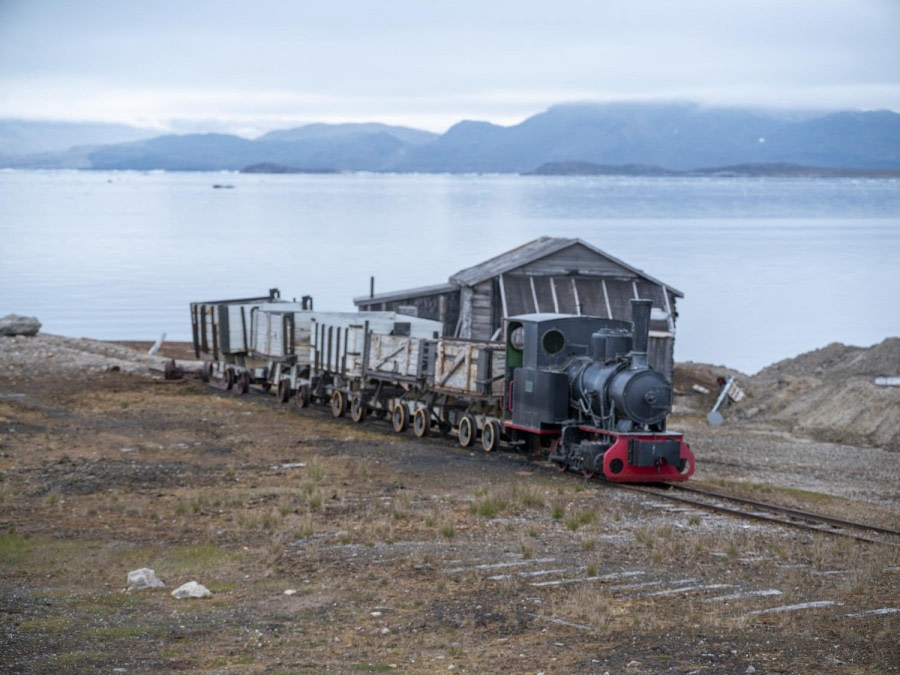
252 66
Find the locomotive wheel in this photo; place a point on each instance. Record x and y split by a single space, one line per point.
587 474
468 429
357 409
422 422
284 391
400 418
228 379
205 372
490 436
338 403
243 382
303 398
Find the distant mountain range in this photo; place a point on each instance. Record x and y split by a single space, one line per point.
615 138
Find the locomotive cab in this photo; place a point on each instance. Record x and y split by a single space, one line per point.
539 348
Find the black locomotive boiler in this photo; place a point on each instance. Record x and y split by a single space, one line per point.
584 386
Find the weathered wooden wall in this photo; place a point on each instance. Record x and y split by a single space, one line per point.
573 280
438 307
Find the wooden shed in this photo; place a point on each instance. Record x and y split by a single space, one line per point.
549 274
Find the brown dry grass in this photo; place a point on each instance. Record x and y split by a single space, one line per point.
401 553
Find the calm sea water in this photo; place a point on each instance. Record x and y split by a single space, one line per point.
769 268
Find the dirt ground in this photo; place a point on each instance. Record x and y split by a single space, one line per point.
335 547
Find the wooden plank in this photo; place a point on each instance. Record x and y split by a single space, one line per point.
609 313
457 362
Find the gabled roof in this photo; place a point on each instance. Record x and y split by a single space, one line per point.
535 250
506 262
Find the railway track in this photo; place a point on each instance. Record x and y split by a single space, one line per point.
740 507
752 509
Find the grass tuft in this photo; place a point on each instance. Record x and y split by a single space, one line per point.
14 549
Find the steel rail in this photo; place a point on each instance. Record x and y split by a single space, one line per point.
818 517
740 513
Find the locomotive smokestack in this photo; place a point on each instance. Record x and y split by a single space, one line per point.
640 317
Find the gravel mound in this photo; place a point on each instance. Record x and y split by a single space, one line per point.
830 394
837 361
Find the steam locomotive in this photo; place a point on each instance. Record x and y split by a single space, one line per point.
585 383
577 390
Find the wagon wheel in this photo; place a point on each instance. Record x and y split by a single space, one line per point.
228 379
422 422
205 372
284 391
172 371
358 409
243 382
554 448
338 403
468 430
490 436
400 418
303 396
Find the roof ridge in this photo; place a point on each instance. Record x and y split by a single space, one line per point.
542 245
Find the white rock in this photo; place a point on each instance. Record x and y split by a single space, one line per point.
290 591
143 578
191 590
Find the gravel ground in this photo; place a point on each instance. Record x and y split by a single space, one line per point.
335 547
55 356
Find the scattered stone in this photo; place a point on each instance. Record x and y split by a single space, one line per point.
793 608
191 590
13 324
143 578
884 611
290 591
